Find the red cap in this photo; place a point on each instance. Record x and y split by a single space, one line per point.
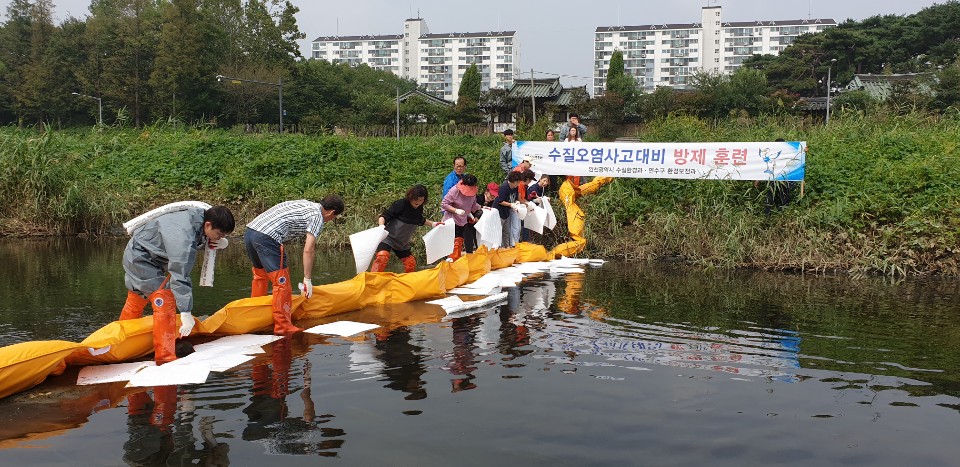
493 188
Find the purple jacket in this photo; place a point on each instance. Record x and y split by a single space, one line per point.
455 199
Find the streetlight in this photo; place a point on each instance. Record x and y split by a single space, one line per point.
278 84
398 110
99 106
829 70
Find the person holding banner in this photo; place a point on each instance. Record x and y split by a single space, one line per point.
573 123
573 135
157 264
459 204
401 220
264 240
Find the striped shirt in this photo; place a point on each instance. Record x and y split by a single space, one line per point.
289 220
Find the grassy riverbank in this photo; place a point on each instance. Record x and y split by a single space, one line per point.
881 193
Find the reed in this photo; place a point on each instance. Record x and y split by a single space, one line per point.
882 194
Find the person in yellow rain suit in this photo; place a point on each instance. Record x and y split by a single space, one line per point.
569 193
264 239
162 252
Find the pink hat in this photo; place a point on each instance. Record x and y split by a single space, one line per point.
493 188
467 190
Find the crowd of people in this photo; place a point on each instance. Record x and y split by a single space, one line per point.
163 250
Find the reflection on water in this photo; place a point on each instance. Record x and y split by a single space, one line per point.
724 368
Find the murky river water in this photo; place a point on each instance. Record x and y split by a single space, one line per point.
626 363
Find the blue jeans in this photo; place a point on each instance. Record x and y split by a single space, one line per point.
263 251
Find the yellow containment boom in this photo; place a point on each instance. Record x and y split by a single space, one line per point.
27 364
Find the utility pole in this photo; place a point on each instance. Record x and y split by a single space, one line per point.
533 100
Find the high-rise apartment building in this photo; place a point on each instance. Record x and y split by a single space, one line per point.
436 61
670 54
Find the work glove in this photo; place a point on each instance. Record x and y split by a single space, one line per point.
515 206
187 319
218 244
306 287
471 219
458 211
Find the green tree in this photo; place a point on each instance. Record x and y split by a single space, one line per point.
123 36
468 97
615 70
183 73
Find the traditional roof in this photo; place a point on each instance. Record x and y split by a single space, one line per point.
430 98
565 98
881 86
548 88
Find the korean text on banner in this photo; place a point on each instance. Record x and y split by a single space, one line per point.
781 161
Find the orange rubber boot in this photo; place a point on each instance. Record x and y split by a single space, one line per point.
457 248
409 264
164 407
164 326
133 308
380 261
282 299
260 283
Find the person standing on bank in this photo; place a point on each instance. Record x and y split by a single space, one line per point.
459 167
163 251
264 240
506 153
401 220
574 122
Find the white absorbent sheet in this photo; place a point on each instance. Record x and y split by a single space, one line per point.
169 375
454 308
536 218
99 374
551 220
342 328
489 230
439 241
364 246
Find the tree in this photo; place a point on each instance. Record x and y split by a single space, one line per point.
183 73
615 70
123 38
468 97
947 87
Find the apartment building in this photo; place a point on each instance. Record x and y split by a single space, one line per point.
436 61
670 54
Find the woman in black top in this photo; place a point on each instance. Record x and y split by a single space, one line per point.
401 220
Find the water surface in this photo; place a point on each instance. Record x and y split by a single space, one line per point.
628 363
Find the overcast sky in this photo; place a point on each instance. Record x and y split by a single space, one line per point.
558 40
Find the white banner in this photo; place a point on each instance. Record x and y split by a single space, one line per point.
716 161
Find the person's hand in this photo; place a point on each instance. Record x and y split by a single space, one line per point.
187 319
470 218
458 211
218 244
515 206
306 287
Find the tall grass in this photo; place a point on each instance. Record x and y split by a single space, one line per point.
881 194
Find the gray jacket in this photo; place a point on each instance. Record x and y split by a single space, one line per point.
169 243
506 158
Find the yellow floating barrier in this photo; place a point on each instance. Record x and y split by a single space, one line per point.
27 364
